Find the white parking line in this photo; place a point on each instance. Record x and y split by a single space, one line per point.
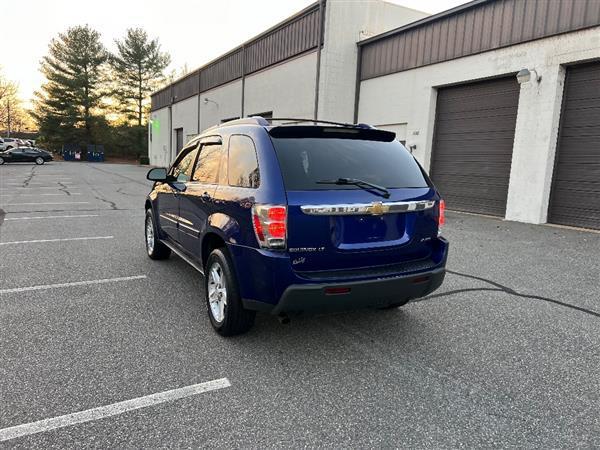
72 284
37 241
111 410
40 187
52 217
36 195
61 203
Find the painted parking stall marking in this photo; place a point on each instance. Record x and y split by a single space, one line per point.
114 409
53 217
72 284
39 241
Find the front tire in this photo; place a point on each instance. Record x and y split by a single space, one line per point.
223 301
1 160
39 161
154 248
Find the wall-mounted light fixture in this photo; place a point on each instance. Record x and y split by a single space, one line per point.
525 75
208 100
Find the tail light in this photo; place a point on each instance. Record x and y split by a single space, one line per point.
270 225
441 214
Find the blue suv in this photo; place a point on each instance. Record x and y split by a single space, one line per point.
297 218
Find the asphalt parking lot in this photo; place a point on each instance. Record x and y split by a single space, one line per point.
506 353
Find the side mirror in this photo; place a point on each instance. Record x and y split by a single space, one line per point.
159 174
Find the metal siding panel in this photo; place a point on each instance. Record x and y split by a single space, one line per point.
450 42
459 42
486 33
508 16
483 27
575 196
541 18
496 32
427 51
420 47
472 146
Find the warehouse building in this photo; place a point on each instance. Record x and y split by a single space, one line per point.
275 74
498 99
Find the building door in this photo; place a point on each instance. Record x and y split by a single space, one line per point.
178 140
575 195
473 143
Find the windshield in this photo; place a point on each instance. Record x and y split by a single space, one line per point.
306 162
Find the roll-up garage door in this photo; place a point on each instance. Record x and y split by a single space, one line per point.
575 196
473 142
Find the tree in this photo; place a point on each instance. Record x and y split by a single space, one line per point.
75 71
8 102
138 65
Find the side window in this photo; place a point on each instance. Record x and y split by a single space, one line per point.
182 171
207 167
243 164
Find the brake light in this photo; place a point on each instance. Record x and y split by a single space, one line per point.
270 225
441 214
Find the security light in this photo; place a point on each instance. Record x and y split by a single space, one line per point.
524 76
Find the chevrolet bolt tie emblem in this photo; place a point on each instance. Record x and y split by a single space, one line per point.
377 209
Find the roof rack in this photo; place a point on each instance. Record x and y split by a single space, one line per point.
326 122
258 120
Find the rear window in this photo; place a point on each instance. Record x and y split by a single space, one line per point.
305 161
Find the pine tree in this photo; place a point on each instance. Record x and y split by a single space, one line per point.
75 71
138 65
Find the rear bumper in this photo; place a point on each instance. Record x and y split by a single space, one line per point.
270 285
358 294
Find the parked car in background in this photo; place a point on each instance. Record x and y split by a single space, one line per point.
25 154
296 219
2 145
10 143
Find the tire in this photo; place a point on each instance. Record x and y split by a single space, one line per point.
154 248
39 160
1 160
228 317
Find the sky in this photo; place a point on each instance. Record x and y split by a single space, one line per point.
193 32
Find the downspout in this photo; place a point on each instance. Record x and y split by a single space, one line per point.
320 44
243 79
170 125
357 87
199 97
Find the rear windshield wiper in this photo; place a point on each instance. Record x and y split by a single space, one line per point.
360 183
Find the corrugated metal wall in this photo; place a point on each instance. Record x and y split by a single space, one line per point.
162 98
297 35
222 71
186 87
481 27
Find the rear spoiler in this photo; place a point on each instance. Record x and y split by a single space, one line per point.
332 132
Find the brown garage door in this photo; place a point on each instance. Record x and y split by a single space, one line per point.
575 197
473 142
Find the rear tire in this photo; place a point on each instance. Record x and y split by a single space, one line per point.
39 161
1 160
154 248
223 301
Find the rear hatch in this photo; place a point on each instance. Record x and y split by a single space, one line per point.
335 222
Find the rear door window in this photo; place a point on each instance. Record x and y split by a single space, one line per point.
207 167
305 161
243 163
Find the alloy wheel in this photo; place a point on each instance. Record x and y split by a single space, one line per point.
149 235
217 292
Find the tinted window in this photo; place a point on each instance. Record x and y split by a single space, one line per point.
304 161
207 168
243 164
182 171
